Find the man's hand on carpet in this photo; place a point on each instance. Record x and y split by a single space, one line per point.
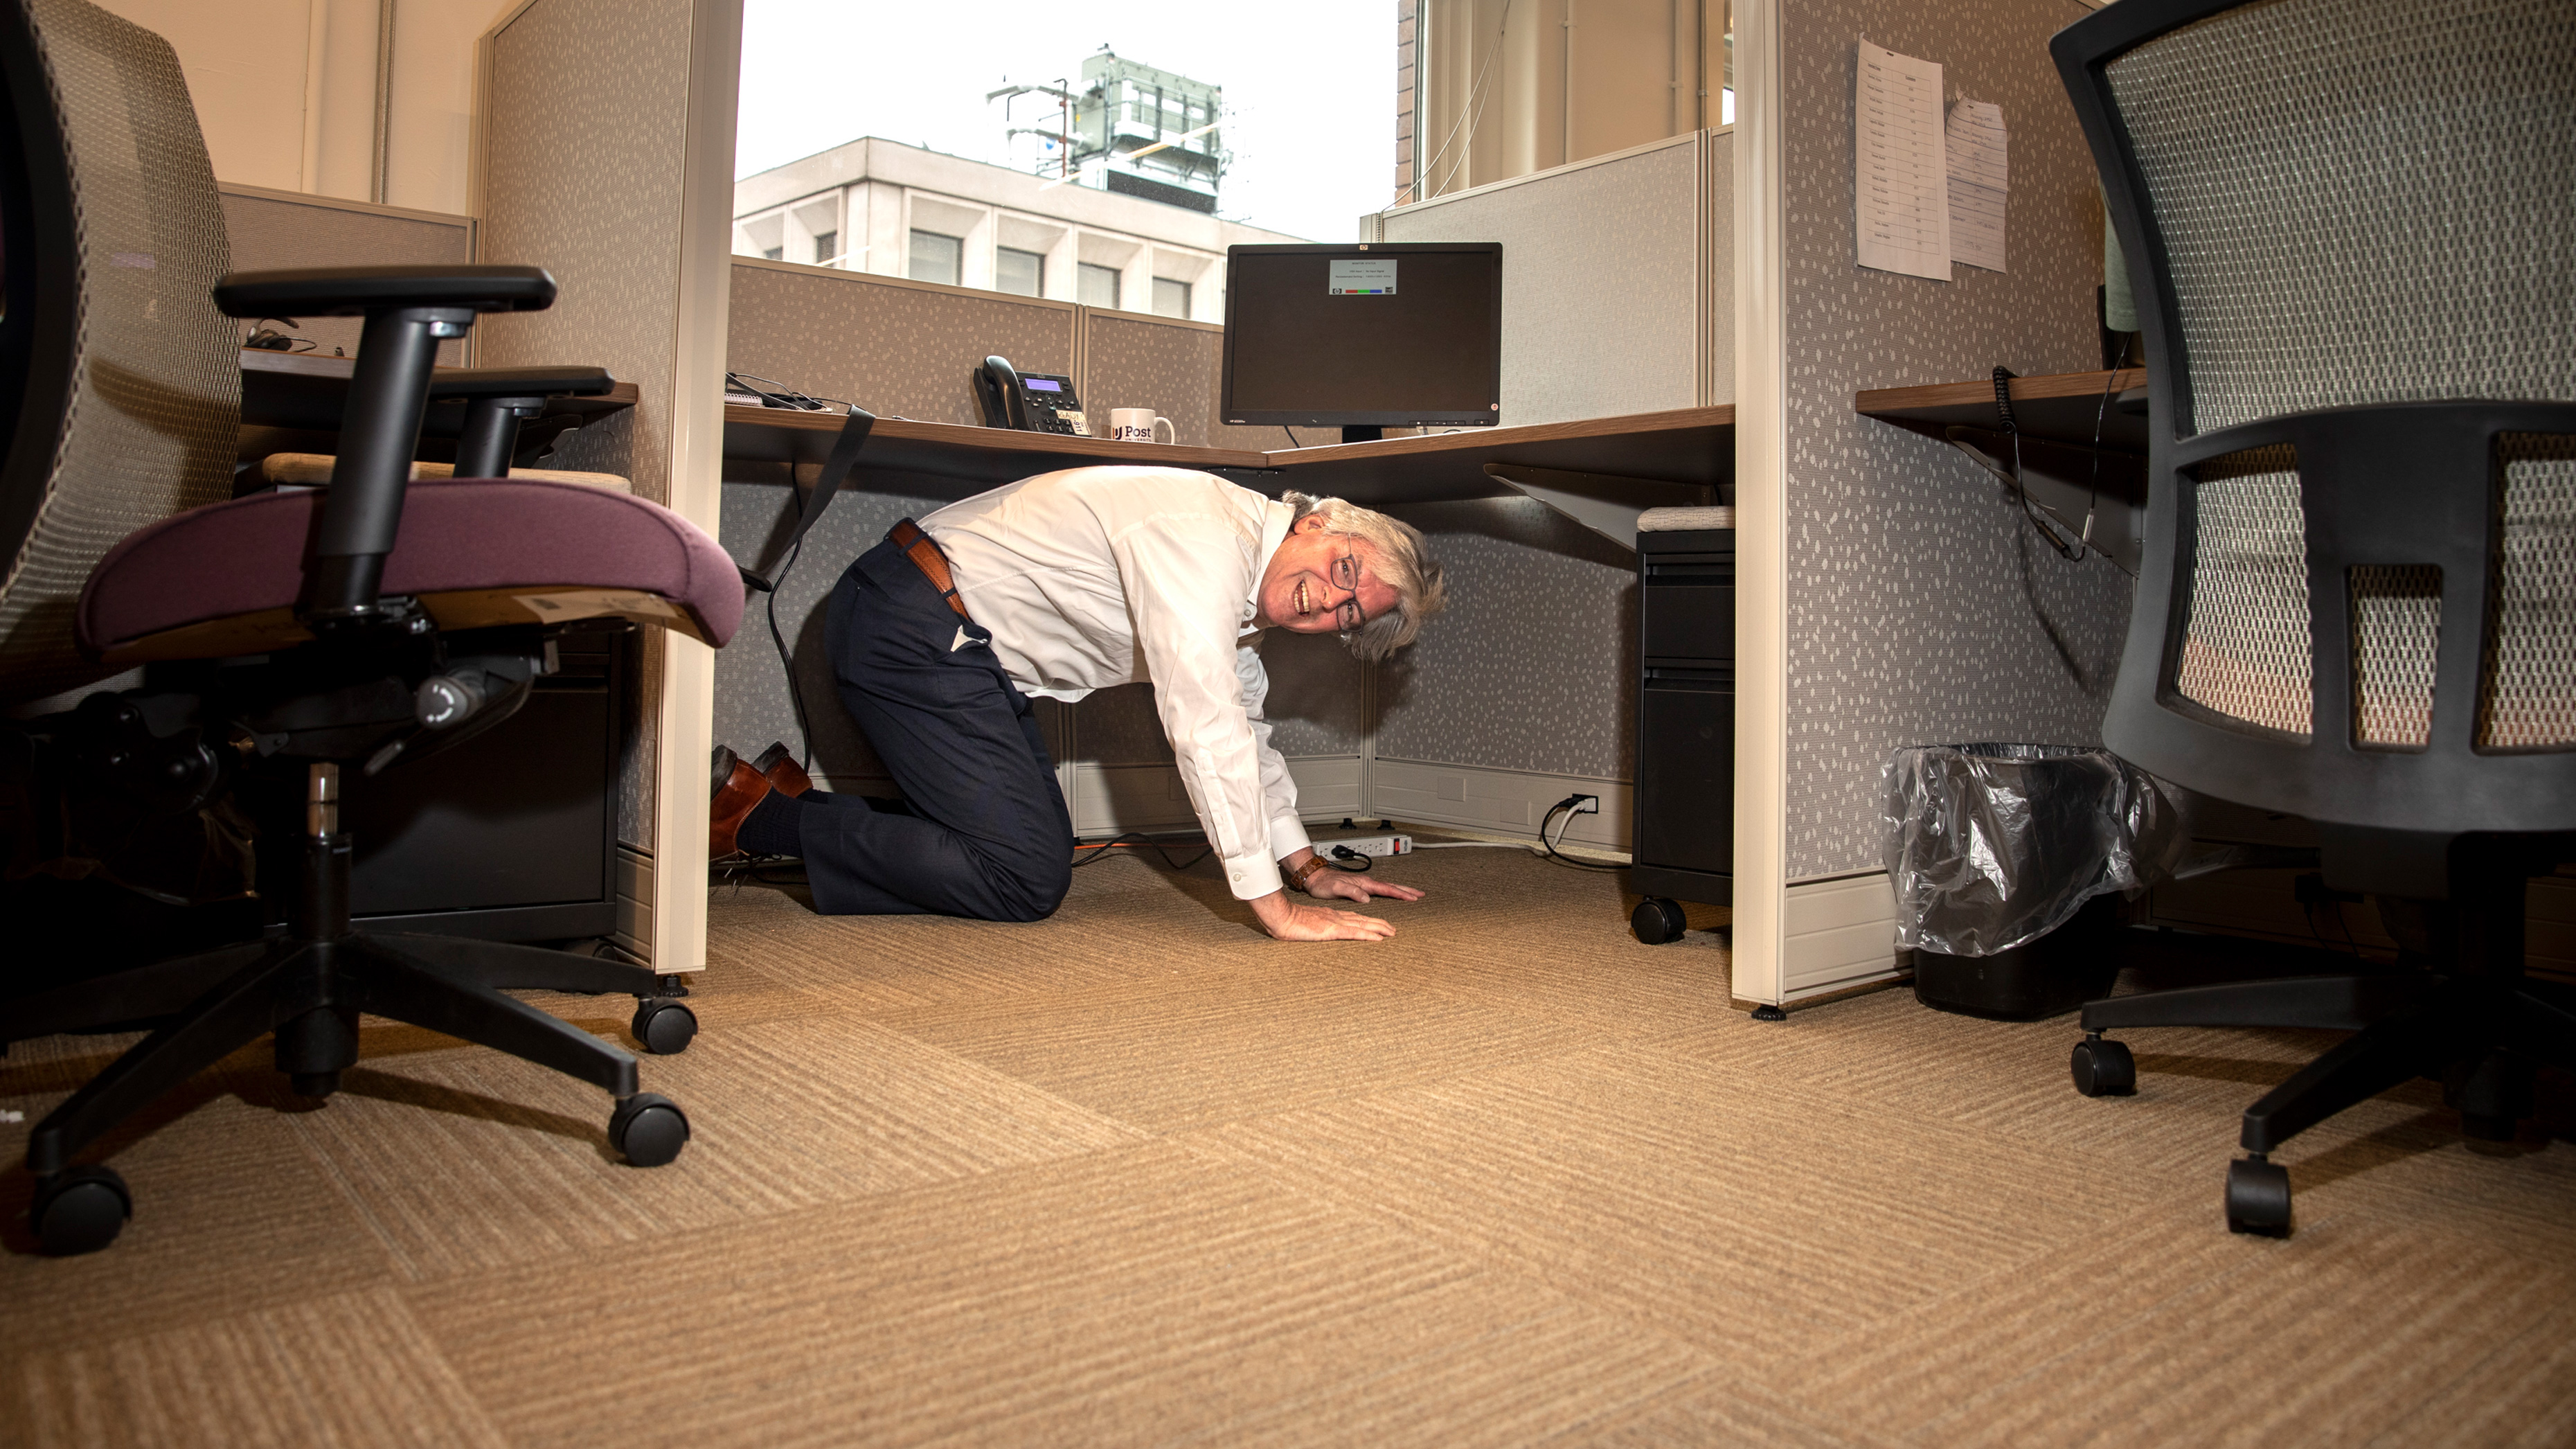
1289 921
1356 886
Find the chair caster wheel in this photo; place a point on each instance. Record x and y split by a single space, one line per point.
648 1129
1658 921
664 1026
2258 1197
80 1211
2103 1068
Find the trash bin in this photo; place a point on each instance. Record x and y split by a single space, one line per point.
2004 859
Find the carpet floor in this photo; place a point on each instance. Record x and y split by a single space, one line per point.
1136 1175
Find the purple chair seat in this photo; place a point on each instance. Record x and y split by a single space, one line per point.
222 580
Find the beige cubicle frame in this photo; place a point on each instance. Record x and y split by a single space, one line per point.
1761 430
663 888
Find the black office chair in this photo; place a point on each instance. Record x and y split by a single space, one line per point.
291 640
2351 229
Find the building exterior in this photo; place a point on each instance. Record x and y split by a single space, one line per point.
874 205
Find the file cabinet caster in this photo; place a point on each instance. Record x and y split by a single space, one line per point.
664 1026
2103 1068
2258 1197
80 1211
1658 921
648 1129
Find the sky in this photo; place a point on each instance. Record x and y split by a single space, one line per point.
1309 88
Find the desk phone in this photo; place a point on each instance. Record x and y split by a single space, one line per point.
1034 402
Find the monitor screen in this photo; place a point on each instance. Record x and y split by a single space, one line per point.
1390 334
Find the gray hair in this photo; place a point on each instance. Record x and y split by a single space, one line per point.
1399 560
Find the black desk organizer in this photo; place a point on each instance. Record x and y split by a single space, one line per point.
1685 794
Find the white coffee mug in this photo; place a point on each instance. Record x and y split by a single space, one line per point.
1137 425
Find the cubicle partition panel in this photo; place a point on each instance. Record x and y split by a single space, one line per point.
1911 603
275 230
894 347
1524 691
1614 280
603 152
1134 361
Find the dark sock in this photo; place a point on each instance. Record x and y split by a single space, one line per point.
770 828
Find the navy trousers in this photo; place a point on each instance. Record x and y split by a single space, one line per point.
981 830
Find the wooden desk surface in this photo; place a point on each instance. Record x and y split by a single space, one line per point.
2060 407
950 450
1683 445
1686 445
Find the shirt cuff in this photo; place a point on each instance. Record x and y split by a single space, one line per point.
1251 876
1287 837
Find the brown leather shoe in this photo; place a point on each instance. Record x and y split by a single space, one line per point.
785 775
738 787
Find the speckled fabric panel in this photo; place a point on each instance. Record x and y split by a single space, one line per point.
1599 318
898 351
2363 202
268 234
582 170
155 395
1132 362
1533 665
1919 609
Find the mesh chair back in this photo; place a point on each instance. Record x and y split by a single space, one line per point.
2352 228
2362 201
121 379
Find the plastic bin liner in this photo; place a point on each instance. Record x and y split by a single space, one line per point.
1993 846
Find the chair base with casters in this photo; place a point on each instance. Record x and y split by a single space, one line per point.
2455 1008
291 638
309 988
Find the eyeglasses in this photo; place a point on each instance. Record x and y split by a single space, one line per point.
1346 577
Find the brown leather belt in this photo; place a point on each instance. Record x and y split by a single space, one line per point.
925 555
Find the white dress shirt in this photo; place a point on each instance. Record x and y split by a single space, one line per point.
1098 576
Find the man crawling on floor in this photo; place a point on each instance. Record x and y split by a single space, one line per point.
1056 586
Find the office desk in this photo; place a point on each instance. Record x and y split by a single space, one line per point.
291 403
2059 417
2058 408
1644 456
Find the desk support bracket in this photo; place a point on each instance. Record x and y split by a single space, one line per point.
1606 503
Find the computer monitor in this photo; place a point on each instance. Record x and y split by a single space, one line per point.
1365 337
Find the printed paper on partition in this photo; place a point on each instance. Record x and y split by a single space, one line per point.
1900 175
1978 184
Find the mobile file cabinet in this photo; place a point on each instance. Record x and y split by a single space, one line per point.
1685 794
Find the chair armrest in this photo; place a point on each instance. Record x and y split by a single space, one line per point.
564 381
349 291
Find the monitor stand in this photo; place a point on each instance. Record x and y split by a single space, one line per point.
1362 433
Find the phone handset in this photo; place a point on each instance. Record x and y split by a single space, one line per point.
1004 399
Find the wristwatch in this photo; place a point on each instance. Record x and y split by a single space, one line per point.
1297 878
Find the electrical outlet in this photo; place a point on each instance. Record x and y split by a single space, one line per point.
1587 804
1368 844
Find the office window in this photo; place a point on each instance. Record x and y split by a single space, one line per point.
772 254
1095 286
1171 299
936 258
827 245
1018 272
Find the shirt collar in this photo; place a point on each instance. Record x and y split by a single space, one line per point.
1275 519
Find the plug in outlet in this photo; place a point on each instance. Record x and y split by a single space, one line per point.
1587 804
1368 845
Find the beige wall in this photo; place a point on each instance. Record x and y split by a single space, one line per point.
1508 87
286 91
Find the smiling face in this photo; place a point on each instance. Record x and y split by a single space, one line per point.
1321 583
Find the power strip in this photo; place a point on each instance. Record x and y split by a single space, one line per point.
1367 845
